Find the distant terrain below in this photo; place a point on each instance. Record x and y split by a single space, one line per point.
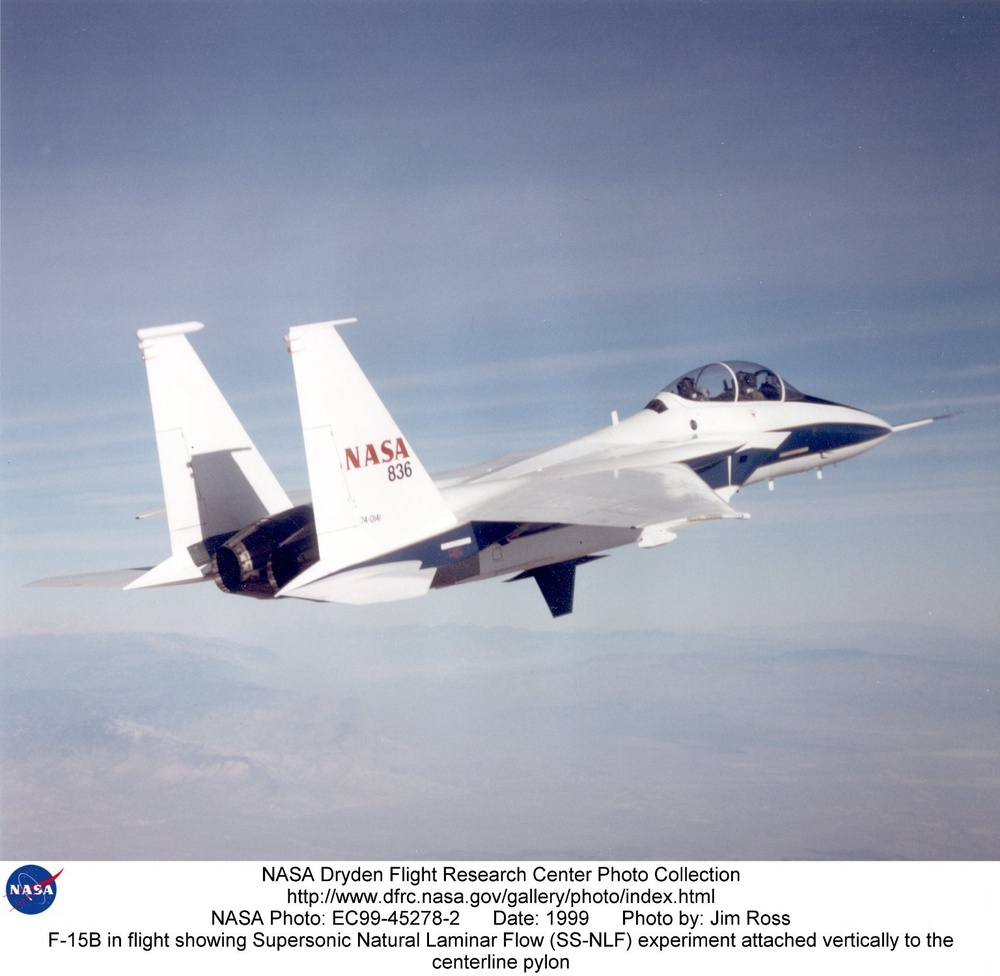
457 742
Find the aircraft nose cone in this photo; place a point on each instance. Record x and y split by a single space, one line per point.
853 435
849 430
876 426
869 429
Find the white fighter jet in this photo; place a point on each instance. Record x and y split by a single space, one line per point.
378 527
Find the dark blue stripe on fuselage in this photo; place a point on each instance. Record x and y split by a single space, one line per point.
829 437
481 535
717 471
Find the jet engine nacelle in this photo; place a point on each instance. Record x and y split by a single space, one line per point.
259 560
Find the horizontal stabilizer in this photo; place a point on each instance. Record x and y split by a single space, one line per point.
380 583
117 578
174 570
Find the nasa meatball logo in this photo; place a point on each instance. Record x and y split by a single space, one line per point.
31 889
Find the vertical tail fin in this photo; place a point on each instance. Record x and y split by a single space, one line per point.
371 495
214 479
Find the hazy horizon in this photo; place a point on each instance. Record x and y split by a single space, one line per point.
484 743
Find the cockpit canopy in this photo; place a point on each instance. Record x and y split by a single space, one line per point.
731 381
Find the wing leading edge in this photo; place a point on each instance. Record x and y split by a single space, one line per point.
547 522
637 497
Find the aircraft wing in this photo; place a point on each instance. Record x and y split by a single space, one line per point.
626 492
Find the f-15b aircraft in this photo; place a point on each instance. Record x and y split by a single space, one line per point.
379 527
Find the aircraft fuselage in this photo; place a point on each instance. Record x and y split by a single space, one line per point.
379 527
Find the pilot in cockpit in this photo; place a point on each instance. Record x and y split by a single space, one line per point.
687 389
748 386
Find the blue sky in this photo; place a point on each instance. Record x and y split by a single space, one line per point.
540 213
